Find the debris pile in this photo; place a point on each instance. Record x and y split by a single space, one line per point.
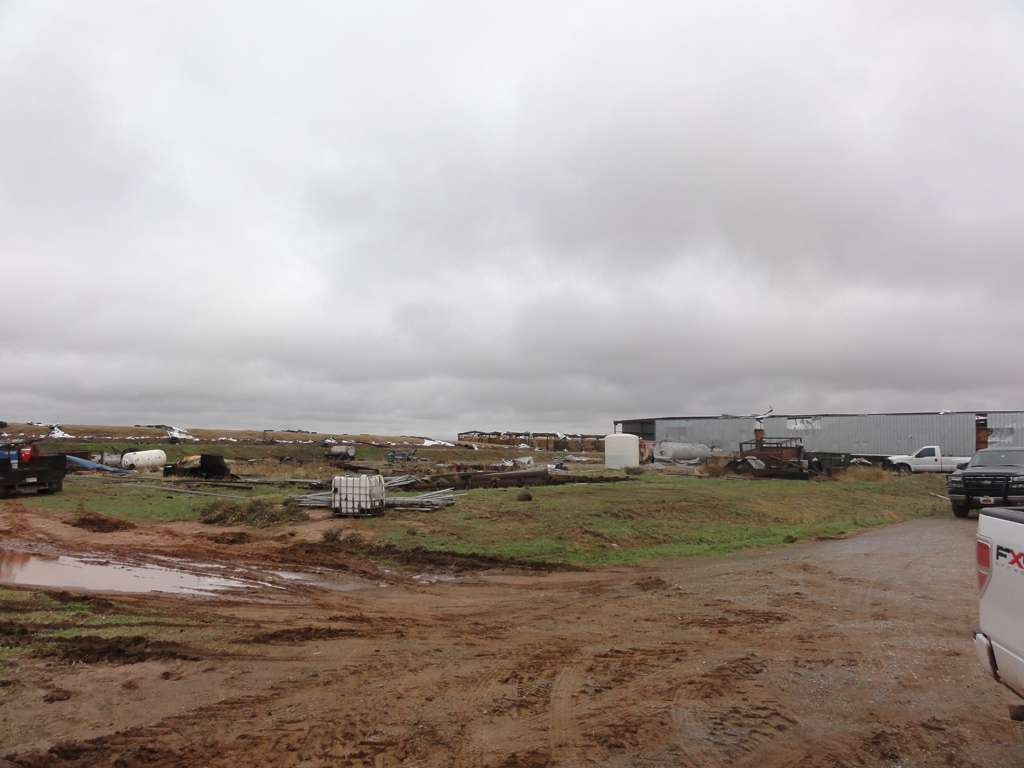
257 513
424 502
542 441
207 466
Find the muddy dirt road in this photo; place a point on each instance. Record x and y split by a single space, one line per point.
844 652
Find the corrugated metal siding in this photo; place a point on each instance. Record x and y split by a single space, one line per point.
884 434
1006 428
716 434
871 434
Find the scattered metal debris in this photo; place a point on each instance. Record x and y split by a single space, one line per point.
55 430
174 433
94 465
424 502
545 441
322 499
396 457
185 490
209 466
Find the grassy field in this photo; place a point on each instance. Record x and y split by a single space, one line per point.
650 517
655 517
127 501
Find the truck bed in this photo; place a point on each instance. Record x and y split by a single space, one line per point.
1000 637
44 474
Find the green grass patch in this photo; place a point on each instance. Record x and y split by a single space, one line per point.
121 499
656 517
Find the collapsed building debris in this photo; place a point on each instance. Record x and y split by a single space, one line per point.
55 430
544 441
397 457
174 434
208 466
539 476
523 462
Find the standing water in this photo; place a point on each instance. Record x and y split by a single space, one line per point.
107 576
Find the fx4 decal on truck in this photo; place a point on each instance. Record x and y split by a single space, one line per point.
1005 552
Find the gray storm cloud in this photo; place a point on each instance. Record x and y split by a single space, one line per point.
429 218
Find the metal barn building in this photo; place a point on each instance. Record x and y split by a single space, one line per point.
863 434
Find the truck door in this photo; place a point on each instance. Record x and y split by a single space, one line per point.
927 459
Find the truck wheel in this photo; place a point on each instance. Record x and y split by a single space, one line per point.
56 487
903 470
960 510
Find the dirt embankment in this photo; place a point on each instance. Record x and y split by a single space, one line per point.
850 652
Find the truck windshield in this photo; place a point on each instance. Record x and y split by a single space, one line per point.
1008 458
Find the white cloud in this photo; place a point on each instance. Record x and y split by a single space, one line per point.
429 218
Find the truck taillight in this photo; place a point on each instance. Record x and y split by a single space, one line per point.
984 564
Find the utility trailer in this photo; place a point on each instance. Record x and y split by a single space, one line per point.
23 468
779 457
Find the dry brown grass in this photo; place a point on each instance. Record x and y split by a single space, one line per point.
96 430
16 429
281 470
861 474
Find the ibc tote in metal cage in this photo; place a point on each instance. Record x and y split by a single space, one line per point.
359 496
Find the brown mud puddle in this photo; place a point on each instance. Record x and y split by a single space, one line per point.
170 576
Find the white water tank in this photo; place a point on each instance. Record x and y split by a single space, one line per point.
621 451
144 459
361 495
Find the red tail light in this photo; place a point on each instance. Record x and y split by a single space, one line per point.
984 564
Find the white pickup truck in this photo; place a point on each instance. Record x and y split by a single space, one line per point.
927 459
998 641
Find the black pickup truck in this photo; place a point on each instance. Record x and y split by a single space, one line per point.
23 468
994 477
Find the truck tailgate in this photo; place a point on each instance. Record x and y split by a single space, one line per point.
1002 590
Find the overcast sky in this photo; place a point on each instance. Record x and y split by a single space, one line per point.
422 218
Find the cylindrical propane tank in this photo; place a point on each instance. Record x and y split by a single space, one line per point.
144 459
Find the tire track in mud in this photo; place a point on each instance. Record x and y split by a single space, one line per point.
471 750
564 740
512 696
804 751
691 733
715 727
